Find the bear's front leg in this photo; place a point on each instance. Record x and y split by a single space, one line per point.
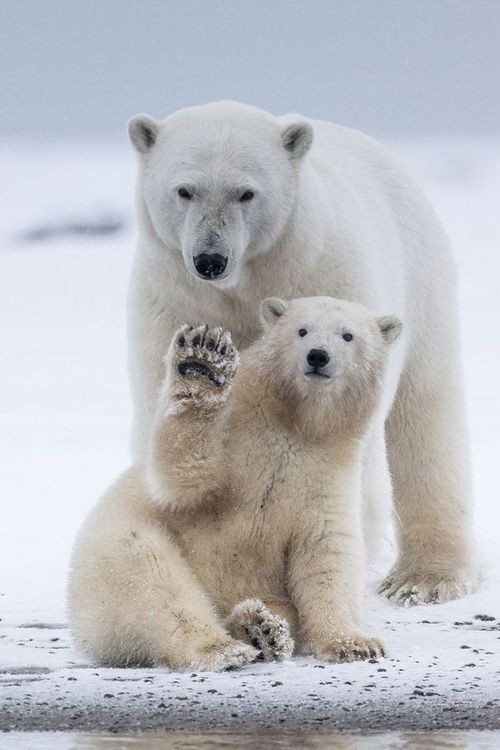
325 582
187 458
430 468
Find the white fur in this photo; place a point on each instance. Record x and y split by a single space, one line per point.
337 217
247 513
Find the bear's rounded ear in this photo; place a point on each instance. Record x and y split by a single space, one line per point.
390 328
297 139
143 132
271 309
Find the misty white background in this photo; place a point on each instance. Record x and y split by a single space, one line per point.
421 76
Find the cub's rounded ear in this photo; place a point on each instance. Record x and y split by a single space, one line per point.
143 132
271 309
390 328
297 139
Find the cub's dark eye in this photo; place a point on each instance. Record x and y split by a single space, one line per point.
347 336
302 332
184 193
246 196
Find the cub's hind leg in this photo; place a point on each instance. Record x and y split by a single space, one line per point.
266 631
133 599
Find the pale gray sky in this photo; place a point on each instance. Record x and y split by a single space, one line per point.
82 67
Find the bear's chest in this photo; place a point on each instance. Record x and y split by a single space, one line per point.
275 471
239 549
237 554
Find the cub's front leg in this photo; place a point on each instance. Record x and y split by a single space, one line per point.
325 579
186 462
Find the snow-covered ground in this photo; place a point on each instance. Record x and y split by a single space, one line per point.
65 411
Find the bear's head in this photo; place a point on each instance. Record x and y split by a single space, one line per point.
218 183
326 353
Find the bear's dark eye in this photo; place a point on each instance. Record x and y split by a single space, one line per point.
184 193
246 196
347 336
302 332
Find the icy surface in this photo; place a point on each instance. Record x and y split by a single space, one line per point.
161 740
65 413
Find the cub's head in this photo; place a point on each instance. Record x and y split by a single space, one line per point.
218 183
325 347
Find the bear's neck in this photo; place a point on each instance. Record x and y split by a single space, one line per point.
314 417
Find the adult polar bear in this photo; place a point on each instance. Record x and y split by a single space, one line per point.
235 205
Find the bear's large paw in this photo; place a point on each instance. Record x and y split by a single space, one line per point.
224 656
203 362
350 648
266 631
409 589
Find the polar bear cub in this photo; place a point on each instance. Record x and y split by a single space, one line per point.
241 534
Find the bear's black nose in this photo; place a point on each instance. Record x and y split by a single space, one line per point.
210 265
317 358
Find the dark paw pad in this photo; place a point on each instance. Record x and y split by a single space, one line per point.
195 369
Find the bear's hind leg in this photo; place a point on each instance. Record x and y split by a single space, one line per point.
265 630
186 633
133 599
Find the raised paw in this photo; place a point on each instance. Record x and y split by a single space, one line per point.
351 648
408 590
267 632
204 361
225 656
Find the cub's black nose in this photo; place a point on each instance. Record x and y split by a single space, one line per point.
210 265
318 358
